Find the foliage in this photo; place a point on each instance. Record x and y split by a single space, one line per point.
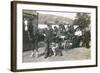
83 20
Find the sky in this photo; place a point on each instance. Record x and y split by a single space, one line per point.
64 14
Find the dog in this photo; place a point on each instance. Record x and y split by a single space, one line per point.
56 49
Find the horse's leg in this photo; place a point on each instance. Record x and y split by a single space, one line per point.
33 53
36 48
53 51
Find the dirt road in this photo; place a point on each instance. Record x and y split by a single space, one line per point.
72 54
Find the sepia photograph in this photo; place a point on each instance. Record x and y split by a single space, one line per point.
56 36
47 36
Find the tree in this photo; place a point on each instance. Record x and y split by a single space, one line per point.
82 20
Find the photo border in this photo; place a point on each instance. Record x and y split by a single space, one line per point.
14 35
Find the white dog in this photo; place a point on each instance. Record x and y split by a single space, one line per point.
54 47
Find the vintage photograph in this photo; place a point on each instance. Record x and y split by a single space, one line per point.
56 36
47 36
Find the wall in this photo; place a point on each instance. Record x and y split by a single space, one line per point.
5 37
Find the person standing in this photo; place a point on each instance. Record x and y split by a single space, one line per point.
86 39
49 34
55 34
32 34
78 38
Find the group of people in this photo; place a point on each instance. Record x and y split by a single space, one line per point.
54 42
55 37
